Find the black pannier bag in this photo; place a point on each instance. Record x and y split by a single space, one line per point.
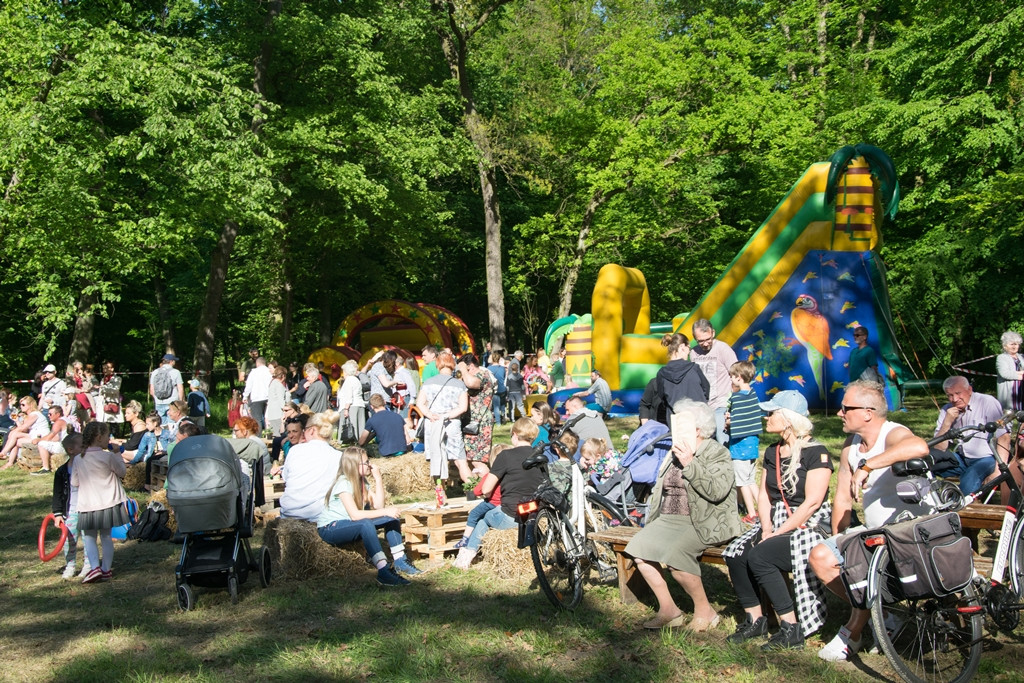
929 555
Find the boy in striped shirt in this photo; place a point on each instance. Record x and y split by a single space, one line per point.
743 422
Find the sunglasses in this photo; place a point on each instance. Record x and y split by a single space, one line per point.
845 408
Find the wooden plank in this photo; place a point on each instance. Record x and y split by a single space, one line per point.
979 516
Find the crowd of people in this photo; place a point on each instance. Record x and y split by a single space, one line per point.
707 491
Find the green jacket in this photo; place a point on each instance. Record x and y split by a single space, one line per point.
711 488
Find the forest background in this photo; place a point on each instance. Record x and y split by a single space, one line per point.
207 176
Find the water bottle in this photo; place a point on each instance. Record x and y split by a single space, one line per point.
442 500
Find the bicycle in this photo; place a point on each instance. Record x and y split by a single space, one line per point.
936 639
555 528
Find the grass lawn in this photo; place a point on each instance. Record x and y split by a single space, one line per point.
448 625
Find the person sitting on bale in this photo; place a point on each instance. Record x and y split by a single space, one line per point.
310 469
354 509
516 484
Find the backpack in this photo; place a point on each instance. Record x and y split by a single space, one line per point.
152 524
163 385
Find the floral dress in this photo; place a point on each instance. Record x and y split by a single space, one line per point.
478 446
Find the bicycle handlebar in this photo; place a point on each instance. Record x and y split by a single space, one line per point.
989 427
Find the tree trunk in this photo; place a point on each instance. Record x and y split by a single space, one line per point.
85 324
206 332
203 360
324 303
166 324
454 38
287 306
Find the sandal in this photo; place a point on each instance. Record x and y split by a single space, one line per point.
663 622
699 624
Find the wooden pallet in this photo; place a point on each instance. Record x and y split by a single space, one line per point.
430 533
273 489
158 474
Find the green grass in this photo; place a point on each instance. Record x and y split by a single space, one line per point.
448 625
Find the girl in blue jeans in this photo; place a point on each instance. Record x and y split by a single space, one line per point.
353 509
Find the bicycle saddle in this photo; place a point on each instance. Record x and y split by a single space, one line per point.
915 467
535 460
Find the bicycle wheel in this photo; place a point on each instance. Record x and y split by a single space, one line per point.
1015 559
557 560
601 515
933 640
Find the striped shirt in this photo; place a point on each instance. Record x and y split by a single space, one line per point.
744 415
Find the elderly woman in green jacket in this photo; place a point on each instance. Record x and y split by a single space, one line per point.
692 507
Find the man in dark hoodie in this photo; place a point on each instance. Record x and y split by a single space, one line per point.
679 379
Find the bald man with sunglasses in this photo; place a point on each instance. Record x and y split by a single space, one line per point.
874 444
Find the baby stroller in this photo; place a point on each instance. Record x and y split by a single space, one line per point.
213 505
638 470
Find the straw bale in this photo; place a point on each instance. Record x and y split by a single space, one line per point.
501 556
160 496
135 476
405 474
298 552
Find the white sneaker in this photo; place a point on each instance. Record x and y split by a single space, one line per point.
85 570
465 558
839 648
69 571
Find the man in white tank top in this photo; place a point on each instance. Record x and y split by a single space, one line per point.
873 445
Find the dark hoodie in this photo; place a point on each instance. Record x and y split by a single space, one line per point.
679 379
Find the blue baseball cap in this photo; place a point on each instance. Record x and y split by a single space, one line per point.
790 399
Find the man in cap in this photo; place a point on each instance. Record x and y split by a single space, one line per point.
52 392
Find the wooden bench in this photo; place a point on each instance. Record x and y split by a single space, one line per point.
632 586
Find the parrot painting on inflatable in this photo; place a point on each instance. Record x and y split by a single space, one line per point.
810 328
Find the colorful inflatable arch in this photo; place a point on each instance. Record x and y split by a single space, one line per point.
789 300
399 325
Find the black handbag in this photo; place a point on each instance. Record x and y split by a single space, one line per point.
472 428
348 432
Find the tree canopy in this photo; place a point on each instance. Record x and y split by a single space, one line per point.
262 169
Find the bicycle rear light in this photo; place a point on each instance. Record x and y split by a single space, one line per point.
527 507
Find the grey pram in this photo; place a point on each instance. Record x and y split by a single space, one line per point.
213 505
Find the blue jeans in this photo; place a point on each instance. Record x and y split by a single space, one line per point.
161 410
597 407
972 472
494 519
346 531
497 401
478 513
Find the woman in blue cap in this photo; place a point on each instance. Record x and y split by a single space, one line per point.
792 507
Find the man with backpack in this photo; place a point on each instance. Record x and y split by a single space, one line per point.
165 385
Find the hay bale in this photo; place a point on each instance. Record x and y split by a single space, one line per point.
501 556
298 552
405 474
160 496
135 476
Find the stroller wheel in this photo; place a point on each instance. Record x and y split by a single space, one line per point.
186 597
233 589
264 567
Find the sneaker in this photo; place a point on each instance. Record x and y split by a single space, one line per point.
461 543
41 470
86 568
94 575
840 648
386 577
749 628
69 571
106 575
789 637
404 566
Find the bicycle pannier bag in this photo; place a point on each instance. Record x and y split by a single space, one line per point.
856 558
929 555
